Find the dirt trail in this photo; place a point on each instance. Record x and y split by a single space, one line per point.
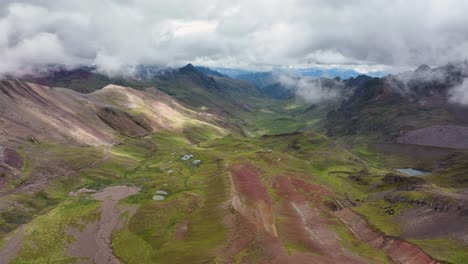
94 243
12 246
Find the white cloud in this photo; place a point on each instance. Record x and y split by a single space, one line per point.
459 94
360 34
309 89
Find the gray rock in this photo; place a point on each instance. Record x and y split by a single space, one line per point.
162 192
187 157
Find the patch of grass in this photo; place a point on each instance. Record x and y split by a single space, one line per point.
196 195
292 247
377 217
362 249
444 249
131 248
46 237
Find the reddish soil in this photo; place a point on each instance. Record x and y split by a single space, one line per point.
94 243
302 223
181 229
308 223
247 182
251 198
398 250
262 226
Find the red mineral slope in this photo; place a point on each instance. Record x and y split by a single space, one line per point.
307 222
291 213
398 250
251 198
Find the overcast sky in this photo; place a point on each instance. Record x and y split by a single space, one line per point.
364 35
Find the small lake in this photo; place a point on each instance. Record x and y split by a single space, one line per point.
412 172
159 197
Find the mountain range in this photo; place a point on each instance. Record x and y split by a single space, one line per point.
201 165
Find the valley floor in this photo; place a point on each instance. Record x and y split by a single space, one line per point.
291 198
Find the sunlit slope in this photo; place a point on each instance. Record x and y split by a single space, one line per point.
35 112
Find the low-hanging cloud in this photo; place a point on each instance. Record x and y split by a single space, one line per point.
449 81
309 89
113 34
459 93
404 83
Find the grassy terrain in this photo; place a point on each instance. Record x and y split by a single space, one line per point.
198 194
45 238
447 249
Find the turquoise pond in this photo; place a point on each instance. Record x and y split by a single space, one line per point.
412 172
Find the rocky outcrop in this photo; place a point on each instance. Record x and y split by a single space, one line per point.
402 182
10 165
11 158
123 122
435 202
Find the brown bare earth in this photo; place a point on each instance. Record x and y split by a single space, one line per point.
426 223
398 250
181 229
12 158
10 165
94 243
12 246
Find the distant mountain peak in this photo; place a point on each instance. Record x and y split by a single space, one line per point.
209 71
423 68
189 68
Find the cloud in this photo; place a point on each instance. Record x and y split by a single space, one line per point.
405 83
310 90
265 33
459 93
